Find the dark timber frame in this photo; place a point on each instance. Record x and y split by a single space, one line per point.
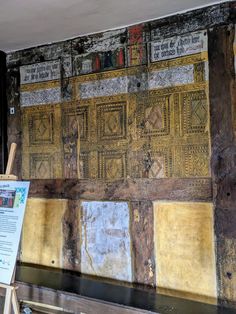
222 92
3 113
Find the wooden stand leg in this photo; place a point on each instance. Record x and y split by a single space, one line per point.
10 299
11 158
15 303
7 305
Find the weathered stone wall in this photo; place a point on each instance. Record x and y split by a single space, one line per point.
108 126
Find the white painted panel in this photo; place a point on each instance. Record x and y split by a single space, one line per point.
171 77
40 97
106 245
107 87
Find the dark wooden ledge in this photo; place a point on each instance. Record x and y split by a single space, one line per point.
80 294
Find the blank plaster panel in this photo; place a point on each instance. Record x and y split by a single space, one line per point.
106 247
42 237
184 249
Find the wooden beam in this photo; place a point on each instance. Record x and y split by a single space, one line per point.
222 94
3 113
189 189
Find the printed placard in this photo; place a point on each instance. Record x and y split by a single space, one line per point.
13 196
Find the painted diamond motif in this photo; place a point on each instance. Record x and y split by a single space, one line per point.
112 124
157 169
153 117
42 169
41 128
198 114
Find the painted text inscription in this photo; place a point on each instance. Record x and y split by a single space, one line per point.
178 46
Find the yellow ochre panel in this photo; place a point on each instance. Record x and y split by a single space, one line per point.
42 236
184 249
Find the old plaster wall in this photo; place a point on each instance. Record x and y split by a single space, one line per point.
107 125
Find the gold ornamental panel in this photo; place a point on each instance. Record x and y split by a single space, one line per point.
112 165
111 121
195 112
154 116
122 132
41 142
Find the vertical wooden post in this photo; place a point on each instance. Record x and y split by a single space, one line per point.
3 113
222 94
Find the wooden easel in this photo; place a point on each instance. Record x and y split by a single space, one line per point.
11 297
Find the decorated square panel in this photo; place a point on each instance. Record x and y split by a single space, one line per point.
111 119
112 165
106 243
153 164
195 112
154 116
41 128
41 142
196 161
41 166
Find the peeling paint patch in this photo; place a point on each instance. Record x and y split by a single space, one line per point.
101 42
41 97
66 67
106 246
39 54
